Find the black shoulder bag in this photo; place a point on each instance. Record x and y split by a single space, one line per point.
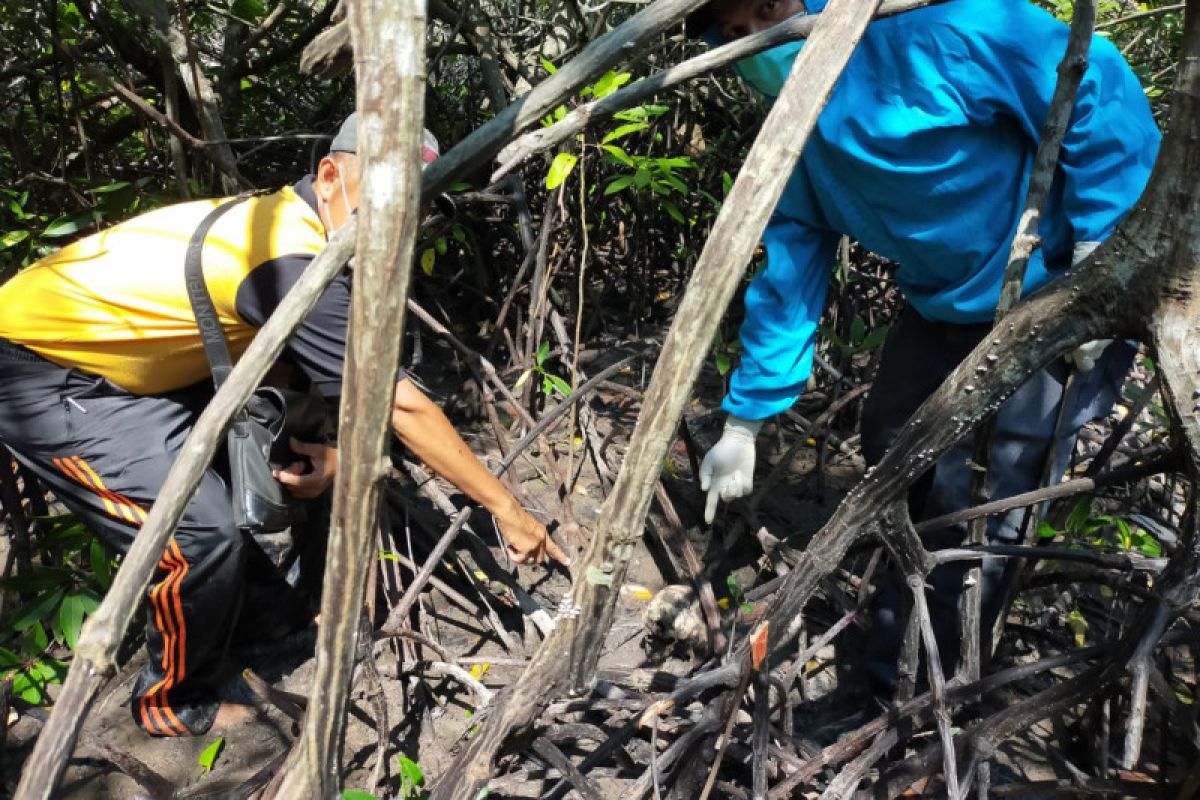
258 437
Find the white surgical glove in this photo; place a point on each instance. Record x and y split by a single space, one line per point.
1082 250
1084 357
727 471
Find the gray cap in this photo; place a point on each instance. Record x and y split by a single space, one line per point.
346 140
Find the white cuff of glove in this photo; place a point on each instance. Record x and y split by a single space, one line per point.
1084 357
1082 250
743 427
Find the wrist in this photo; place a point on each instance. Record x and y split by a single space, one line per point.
745 428
506 509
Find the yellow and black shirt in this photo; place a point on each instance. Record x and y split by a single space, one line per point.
115 303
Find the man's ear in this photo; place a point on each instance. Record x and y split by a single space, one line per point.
327 174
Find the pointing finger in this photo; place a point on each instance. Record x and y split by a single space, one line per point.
555 552
710 507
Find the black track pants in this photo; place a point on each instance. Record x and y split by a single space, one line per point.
917 357
105 453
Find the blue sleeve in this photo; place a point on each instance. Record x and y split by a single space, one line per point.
783 306
1112 140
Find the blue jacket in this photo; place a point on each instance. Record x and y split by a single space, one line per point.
923 155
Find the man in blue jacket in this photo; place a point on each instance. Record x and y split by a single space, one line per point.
923 154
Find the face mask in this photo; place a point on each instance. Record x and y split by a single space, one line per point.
324 207
767 71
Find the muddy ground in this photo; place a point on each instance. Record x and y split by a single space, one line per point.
428 715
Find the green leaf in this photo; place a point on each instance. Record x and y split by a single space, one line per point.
1077 519
89 600
735 589
724 364
208 756
251 10
39 579
858 329
101 563
546 65
521 380
1078 625
27 688
618 184
9 659
50 670
70 619
640 113
13 238
636 114
874 339
560 169
63 226
624 130
440 245
1146 544
411 775
678 162
111 187
560 385
428 259
542 351
675 184
38 610
609 82
35 641
617 153
1046 531
674 212
70 533
357 794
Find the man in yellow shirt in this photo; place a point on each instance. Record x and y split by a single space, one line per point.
102 376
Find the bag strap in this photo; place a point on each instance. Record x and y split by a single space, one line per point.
211 334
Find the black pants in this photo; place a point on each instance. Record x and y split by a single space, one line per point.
917 357
105 453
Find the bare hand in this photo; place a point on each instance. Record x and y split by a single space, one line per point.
527 539
303 482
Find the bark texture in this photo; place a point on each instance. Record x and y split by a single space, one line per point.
566 660
390 65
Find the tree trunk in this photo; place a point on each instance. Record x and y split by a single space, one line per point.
567 659
390 65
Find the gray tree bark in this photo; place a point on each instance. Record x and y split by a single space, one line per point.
389 52
566 660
